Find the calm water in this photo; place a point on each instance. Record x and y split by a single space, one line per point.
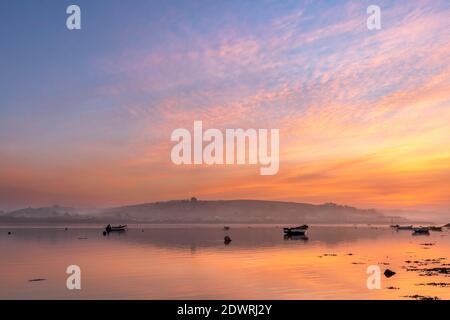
192 262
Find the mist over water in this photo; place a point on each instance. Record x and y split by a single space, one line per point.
192 262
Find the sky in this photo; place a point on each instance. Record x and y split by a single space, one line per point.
86 115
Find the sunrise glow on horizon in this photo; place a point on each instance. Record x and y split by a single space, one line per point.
363 115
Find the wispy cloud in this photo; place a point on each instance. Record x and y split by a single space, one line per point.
363 114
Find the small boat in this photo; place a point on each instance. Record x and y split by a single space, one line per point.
434 228
119 228
300 230
226 228
405 228
421 230
110 228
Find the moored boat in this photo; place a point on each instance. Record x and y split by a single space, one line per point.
300 230
118 228
435 228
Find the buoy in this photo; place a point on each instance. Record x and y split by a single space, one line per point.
104 233
9 232
227 240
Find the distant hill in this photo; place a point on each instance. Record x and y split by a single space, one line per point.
196 211
52 214
47 212
424 216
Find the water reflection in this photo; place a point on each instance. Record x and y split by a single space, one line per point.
199 236
188 262
295 237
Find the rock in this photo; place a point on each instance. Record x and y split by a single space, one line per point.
389 273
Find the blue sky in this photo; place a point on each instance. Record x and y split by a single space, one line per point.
89 112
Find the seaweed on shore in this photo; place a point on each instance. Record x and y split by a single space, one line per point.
435 284
421 267
434 271
419 297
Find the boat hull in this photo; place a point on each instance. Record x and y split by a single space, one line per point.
116 228
294 231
